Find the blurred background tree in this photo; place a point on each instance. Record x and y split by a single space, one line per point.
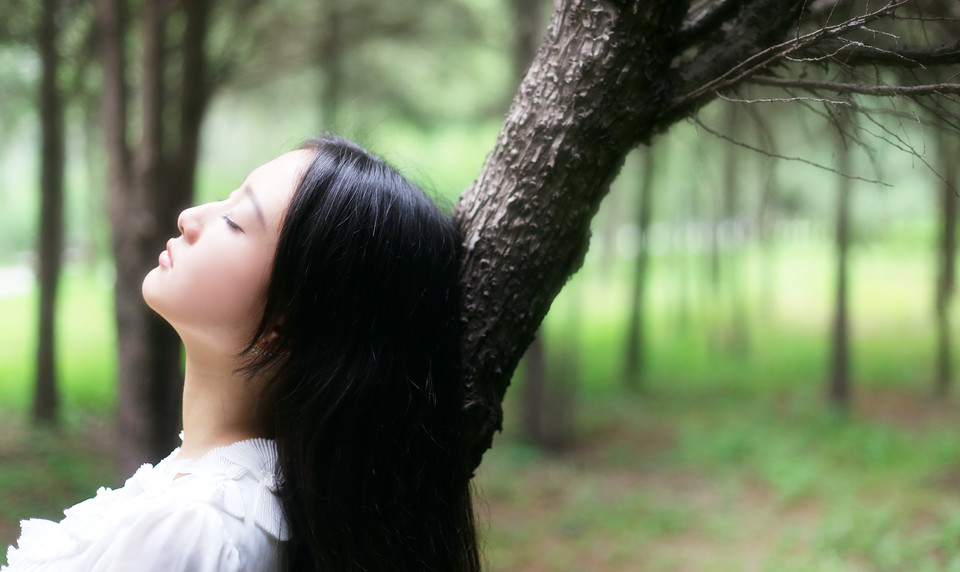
708 273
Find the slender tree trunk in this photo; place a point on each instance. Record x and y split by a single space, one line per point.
683 290
635 367
946 267
148 187
840 339
766 218
713 261
561 392
45 402
768 259
527 16
331 63
689 258
195 94
735 332
534 390
538 409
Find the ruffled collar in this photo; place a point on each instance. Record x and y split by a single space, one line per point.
257 456
226 465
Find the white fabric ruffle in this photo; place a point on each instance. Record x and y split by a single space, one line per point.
211 507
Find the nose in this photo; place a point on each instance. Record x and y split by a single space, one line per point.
190 223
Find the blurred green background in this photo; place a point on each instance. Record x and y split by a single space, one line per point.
723 452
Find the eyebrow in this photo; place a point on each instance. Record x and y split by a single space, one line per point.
256 205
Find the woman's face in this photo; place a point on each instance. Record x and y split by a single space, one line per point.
211 281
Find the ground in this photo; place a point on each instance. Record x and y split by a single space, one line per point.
684 479
686 484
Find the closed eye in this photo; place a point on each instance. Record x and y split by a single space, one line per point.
230 222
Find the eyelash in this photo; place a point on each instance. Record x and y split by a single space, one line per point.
230 222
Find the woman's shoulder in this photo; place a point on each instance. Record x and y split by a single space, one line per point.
220 510
177 535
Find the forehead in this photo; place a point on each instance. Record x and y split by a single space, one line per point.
272 184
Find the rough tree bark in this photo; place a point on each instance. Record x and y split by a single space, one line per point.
45 402
611 74
147 187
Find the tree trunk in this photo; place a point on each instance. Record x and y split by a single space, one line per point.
534 390
558 428
527 16
541 397
45 402
946 267
601 83
840 339
195 94
636 351
689 257
548 389
713 261
766 217
735 336
147 188
331 63
563 141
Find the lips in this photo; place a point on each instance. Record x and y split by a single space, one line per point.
166 257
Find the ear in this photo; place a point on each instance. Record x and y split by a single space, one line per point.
267 341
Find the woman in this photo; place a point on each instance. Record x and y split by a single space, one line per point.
319 311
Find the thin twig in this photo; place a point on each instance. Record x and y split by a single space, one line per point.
783 100
854 53
715 133
874 90
771 55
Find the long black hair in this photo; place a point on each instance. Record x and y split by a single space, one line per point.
362 315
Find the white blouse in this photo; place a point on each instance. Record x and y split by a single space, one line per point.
220 514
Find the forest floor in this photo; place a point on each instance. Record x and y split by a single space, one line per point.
710 481
680 479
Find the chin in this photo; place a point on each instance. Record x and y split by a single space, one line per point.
150 290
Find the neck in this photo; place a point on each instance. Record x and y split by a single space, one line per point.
219 404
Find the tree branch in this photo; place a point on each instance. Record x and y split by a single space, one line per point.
728 65
874 90
707 21
774 155
859 54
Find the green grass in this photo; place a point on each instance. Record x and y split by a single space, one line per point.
85 344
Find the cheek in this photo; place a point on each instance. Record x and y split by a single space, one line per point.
220 292
227 296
